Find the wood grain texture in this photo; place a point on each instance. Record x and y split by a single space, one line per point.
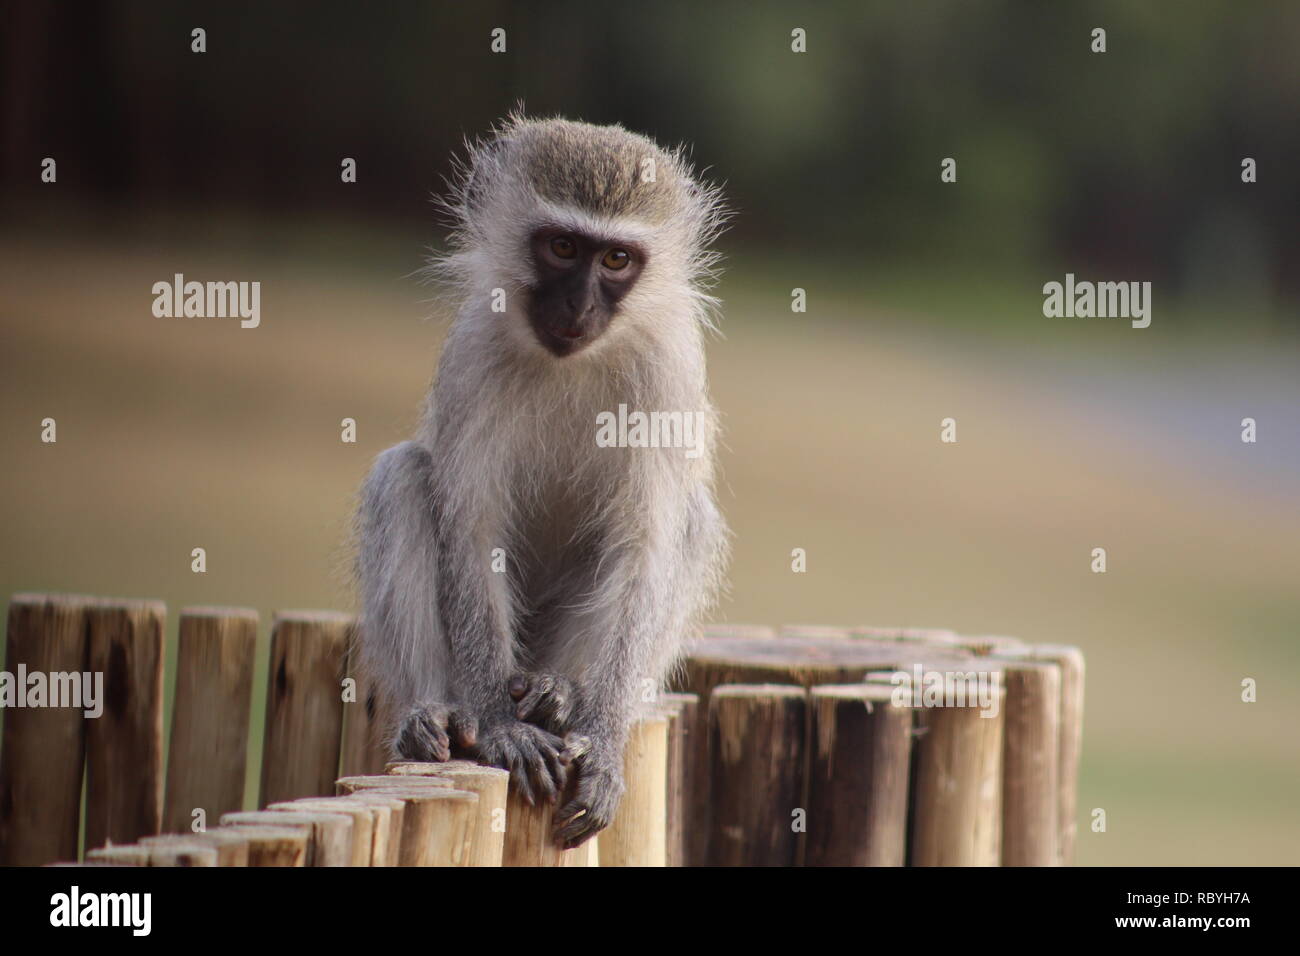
859 767
329 835
638 834
208 752
42 751
124 746
304 705
757 748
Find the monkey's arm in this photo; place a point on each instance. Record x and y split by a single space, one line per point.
474 605
652 591
402 647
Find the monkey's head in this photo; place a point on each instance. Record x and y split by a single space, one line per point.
572 233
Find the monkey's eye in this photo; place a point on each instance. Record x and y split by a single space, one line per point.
616 259
564 247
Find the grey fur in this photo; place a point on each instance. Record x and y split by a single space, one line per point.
613 553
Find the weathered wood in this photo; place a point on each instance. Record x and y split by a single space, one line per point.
757 749
638 836
437 823
487 842
857 795
363 750
388 819
126 854
181 851
231 847
273 845
1029 763
208 753
762 631
330 842
363 824
688 756
380 781
805 660
124 746
957 760
530 837
40 797
304 705
991 644
1070 661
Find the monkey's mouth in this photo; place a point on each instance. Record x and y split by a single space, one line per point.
563 341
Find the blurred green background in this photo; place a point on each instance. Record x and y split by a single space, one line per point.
924 302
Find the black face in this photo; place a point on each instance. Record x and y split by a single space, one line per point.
579 282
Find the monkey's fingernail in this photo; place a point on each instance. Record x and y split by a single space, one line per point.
517 687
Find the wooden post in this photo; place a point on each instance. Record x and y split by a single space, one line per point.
688 756
957 760
530 841
330 834
638 834
273 845
181 851
437 823
487 843
124 746
362 752
381 781
128 854
1029 760
757 748
388 817
1070 746
231 847
208 753
861 756
304 705
43 748
363 824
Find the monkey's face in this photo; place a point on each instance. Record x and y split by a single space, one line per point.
578 281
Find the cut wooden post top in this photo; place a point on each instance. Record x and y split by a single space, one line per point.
313 617
204 610
782 691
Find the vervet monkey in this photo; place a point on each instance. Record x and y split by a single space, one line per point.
525 588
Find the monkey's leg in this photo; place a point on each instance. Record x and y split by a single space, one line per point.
625 643
402 647
476 610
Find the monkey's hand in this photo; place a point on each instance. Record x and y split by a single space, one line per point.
545 699
596 795
535 757
428 730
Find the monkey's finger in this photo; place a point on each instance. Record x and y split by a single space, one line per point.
519 776
465 728
532 705
575 745
518 686
541 775
576 831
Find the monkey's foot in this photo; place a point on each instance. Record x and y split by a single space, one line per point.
427 731
598 791
545 699
531 754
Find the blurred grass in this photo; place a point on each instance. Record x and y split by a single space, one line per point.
180 433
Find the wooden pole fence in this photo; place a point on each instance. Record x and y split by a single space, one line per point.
797 746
